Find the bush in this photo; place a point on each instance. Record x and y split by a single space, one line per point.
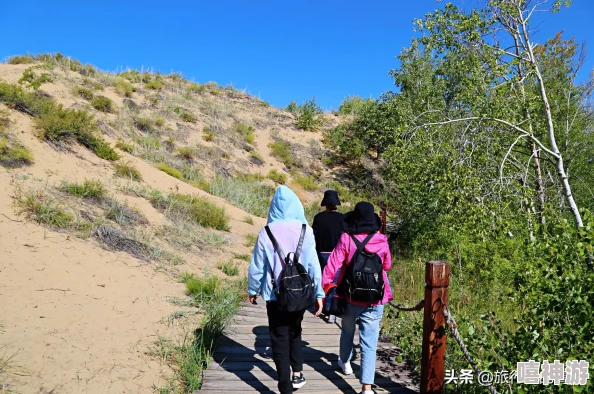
143 124
44 210
188 207
243 257
291 107
174 172
306 182
282 150
154 85
159 122
124 88
243 192
124 146
308 116
248 220
277 176
186 153
55 123
195 88
20 60
247 132
209 134
85 93
187 117
32 80
229 268
203 288
352 105
12 153
250 240
127 170
90 188
102 103
101 148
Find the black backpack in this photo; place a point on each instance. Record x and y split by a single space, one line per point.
295 291
363 280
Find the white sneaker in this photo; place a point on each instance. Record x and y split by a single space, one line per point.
368 392
346 367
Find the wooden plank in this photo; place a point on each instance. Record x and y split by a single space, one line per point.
313 356
271 385
264 330
267 365
344 391
268 350
324 374
325 340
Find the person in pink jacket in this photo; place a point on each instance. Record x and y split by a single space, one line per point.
361 222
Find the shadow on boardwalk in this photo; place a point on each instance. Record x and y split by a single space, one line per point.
242 361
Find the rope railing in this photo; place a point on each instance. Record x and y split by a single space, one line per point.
454 328
402 308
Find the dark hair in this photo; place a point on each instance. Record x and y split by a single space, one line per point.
331 207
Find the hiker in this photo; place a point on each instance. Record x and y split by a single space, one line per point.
363 256
328 226
287 294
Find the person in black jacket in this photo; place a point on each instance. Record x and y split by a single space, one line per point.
328 226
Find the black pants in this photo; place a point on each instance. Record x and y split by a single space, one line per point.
285 338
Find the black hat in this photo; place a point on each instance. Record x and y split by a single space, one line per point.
330 198
363 219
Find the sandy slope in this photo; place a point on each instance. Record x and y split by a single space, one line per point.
81 319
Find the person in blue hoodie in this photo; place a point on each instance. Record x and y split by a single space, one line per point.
285 219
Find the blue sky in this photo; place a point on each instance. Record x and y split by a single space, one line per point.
279 50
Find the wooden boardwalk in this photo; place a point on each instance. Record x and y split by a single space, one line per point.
242 362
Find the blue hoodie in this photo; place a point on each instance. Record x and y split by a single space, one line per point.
285 218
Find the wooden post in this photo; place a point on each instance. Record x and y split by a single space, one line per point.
437 278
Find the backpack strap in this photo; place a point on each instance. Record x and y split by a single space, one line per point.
275 244
361 245
300 244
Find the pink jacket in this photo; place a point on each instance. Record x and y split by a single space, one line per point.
343 253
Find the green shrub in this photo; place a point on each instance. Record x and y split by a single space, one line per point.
124 88
44 210
250 240
247 132
131 75
291 107
4 120
307 182
90 188
248 220
143 124
186 153
309 116
124 146
12 153
209 134
154 85
56 124
243 192
101 148
174 172
204 288
199 210
102 103
32 80
352 105
127 170
85 93
187 117
229 268
243 257
277 176
159 122
282 151
195 88
20 60
92 84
